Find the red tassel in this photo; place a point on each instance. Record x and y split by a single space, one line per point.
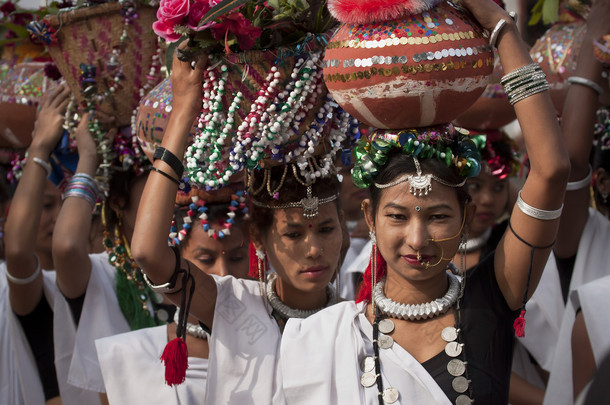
175 356
364 294
519 325
253 262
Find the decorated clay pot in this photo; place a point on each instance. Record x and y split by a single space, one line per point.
492 110
416 69
21 89
153 116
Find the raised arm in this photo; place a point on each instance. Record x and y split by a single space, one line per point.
577 125
149 242
23 222
71 238
545 186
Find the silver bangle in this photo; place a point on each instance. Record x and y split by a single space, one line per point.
580 184
27 280
494 34
586 82
160 288
544 215
45 165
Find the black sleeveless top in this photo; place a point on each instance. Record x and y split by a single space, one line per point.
487 333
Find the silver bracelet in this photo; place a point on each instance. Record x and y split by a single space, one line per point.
45 165
586 82
494 34
544 215
160 288
580 184
27 280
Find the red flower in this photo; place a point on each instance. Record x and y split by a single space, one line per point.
236 24
170 14
166 31
7 8
199 9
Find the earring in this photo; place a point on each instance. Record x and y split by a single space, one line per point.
604 197
372 237
261 264
462 251
373 261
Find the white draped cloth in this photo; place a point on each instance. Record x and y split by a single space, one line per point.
78 370
320 362
19 379
545 309
592 298
355 262
244 347
134 374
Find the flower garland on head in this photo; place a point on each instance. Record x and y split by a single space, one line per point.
197 208
446 143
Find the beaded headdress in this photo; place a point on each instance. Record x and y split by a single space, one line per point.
265 185
198 210
452 146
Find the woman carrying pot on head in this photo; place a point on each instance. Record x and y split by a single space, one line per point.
296 228
418 334
199 230
29 290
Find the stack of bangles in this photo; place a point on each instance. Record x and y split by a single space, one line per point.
524 82
83 186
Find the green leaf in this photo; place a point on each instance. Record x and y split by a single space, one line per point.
20 30
536 13
275 4
222 8
169 53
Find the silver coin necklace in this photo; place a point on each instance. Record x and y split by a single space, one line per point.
454 348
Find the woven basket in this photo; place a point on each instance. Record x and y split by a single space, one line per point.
88 35
21 89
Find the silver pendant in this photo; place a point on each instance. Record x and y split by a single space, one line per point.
449 334
385 341
460 384
390 395
368 380
456 367
463 400
367 364
453 349
386 326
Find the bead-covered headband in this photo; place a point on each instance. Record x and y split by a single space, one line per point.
452 146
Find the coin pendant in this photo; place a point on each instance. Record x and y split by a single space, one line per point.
453 349
386 326
449 334
460 384
390 395
367 364
385 341
463 400
456 367
368 379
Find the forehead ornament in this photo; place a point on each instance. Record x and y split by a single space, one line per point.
419 184
309 204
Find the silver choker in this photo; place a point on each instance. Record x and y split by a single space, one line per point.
285 311
413 312
474 244
192 329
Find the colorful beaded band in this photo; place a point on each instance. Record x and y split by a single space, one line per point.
446 143
524 82
83 186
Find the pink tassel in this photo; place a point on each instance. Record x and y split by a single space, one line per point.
370 11
519 325
175 357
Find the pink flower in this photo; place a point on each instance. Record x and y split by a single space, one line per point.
173 11
166 31
170 14
239 26
199 9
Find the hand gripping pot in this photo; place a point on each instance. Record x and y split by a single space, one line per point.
404 64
